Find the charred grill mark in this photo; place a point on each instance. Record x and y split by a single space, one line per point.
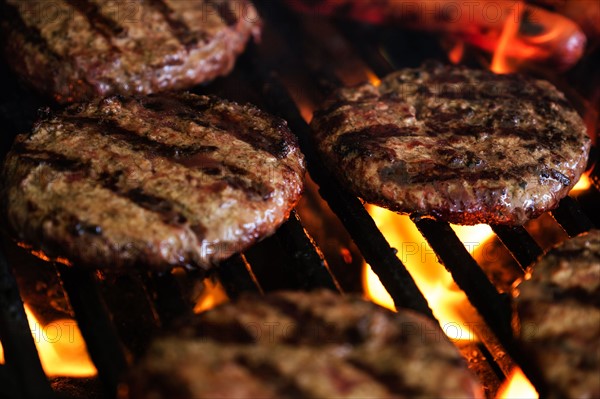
132 138
164 207
574 254
269 375
442 173
365 100
226 14
206 112
313 330
229 173
454 125
369 141
578 294
231 331
479 92
56 161
32 33
102 24
79 170
190 157
180 30
396 172
391 381
278 148
385 131
253 190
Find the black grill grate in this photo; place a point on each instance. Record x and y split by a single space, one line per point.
259 78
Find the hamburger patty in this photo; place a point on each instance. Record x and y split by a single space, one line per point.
82 49
466 146
163 181
303 345
559 313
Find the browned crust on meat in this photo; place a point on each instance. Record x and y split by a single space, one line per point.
164 181
559 313
466 146
303 345
75 50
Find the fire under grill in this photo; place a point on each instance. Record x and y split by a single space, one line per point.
298 62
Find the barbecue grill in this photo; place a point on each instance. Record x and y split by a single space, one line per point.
289 72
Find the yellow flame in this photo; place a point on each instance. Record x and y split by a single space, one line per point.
582 185
61 348
517 386
433 280
500 62
213 294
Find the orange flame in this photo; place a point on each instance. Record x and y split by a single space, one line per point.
213 294
431 277
500 60
517 386
373 79
61 348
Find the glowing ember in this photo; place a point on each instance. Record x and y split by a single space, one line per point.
213 294
500 61
517 386
457 52
61 348
445 299
43 256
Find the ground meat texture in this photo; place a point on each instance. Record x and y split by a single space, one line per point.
162 181
76 50
558 311
466 146
303 345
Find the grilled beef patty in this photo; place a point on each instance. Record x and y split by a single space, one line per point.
303 345
559 313
163 181
466 146
74 50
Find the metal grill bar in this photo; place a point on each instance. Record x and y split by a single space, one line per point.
310 267
492 306
22 361
96 325
236 276
168 299
571 217
7 382
365 48
521 245
467 274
